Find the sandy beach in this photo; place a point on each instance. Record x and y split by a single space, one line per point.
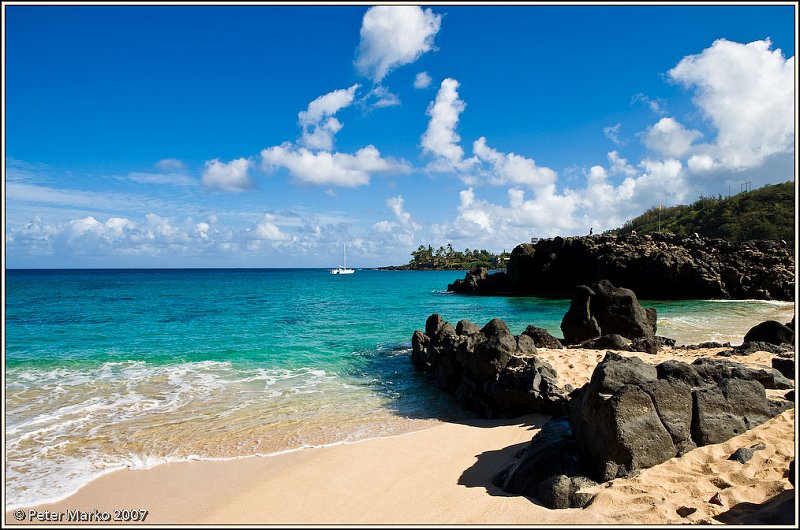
442 475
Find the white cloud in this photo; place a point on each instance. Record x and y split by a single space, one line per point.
670 138
700 163
480 221
337 169
382 98
392 36
169 164
511 168
231 176
396 204
172 179
440 138
317 121
620 166
327 105
33 193
266 230
656 105
422 80
747 92
612 133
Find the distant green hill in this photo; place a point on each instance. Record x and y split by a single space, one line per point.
763 213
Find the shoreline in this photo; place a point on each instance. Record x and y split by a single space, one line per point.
437 475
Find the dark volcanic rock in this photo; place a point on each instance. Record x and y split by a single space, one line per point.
605 342
727 409
716 370
478 280
649 345
603 309
465 327
542 338
770 331
633 415
657 267
784 366
548 469
751 347
744 454
488 370
578 324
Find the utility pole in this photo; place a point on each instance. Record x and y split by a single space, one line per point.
659 218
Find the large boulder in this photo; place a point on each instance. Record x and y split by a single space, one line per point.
489 370
602 309
633 415
770 331
578 324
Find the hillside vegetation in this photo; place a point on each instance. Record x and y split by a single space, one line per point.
763 213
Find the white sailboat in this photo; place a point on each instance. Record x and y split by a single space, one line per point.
340 269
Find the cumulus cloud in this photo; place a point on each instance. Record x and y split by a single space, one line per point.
620 166
265 229
670 138
422 80
337 169
400 232
152 236
440 138
480 221
747 92
230 176
393 36
511 168
317 121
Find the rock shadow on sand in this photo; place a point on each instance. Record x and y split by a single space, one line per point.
779 510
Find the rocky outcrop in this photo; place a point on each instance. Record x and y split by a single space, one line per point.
771 332
751 347
489 370
633 415
604 310
657 266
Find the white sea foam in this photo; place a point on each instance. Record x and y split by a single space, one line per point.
67 426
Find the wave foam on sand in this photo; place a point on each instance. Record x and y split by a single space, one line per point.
442 475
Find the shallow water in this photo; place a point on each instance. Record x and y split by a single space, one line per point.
107 369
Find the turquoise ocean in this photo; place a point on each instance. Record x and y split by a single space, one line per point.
107 369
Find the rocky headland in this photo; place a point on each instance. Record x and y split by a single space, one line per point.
656 266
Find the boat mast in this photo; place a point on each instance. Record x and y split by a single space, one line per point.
344 249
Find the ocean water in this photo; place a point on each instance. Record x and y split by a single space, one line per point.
107 369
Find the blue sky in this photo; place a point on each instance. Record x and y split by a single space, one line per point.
267 136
